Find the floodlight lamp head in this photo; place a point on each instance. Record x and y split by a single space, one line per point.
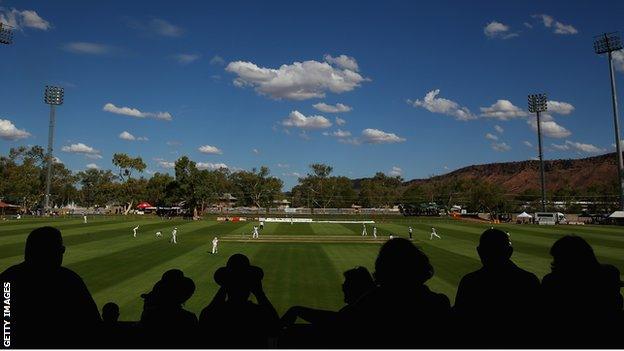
53 95
607 42
6 34
537 103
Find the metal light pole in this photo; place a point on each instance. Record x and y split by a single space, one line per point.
6 34
53 96
607 43
539 103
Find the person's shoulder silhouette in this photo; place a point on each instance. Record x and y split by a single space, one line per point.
231 319
494 300
401 270
580 296
50 304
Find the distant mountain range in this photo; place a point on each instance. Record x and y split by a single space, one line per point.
517 177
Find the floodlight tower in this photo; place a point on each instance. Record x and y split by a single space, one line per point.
53 96
6 34
608 43
539 103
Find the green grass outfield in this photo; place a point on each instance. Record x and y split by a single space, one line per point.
303 263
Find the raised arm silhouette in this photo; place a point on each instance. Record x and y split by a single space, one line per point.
231 320
164 321
498 299
50 305
401 304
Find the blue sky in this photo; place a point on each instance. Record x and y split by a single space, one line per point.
424 88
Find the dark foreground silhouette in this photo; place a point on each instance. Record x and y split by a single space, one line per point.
578 304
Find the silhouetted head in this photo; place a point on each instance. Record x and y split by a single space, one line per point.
401 263
110 312
44 247
358 281
238 277
173 288
572 254
494 247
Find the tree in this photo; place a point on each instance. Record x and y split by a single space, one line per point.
380 191
257 187
97 187
129 191
159 190
186 182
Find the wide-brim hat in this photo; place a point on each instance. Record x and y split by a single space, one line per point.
238 271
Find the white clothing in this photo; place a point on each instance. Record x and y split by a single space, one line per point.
215 242
375 232
433 233
255 232
85 219
174 234
134 231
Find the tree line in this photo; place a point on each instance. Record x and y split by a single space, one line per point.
23 177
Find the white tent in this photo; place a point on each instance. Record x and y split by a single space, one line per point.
524 215
617 214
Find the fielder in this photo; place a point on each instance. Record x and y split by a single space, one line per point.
158 234
375 232
19 216
364 233
255 233
215 242
85 219
261 225
134 231
174 235
410 231
433 233
291 220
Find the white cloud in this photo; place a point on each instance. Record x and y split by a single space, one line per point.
133 112
562 108
490 136
297 81
81 47
92 166
185 59
499 129
210 166
527 143
283 165
376 136
174 143
340 121
550 128
80 148
502 110
496 29
23 19
578 147
338 108
255 151
298 120
396 171
165 28
501 147
618 60
8 131
209 149
443 106
217 60
560 28
166 164
528 25
342 61
338 133
127 136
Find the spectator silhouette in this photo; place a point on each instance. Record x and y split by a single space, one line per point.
493 302
110 313
581 298
231 320
400 304
50 305
358 282
164 322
